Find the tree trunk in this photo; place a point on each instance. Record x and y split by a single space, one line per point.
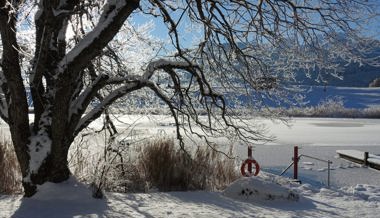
47 161
53 169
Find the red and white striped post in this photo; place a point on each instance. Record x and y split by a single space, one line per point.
250 161
250 157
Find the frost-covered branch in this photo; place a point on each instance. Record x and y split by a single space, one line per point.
81 103
173 109
162 64
107 101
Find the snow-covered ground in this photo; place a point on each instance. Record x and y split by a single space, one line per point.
354 192
71 199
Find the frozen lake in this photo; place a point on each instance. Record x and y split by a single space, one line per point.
317 137
326 132
320 138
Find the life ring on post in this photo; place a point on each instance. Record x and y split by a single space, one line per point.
249 161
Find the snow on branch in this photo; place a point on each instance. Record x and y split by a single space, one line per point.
169 66
108 100
40 144
161 64
10 8
80 103
113 17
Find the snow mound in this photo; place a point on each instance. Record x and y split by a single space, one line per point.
260 188
69 190
61 200
365 192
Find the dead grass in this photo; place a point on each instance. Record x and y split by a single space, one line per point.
169 169
153 165
132 163
10 175
164 167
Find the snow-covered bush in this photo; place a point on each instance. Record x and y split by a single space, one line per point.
372 112
375 83
10 175
110 167
332 107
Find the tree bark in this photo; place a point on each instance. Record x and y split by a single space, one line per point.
54 169
18 120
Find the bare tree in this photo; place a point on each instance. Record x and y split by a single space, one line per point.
67 73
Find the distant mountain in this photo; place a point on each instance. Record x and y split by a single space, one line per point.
353 75
351 97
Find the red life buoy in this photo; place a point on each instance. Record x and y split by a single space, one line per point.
249 161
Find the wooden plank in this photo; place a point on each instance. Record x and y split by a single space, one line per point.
350 158
359 157
352 153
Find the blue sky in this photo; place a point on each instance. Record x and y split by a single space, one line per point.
372 28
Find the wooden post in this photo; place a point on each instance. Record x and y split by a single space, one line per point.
250 157
328 173
295 161
366 158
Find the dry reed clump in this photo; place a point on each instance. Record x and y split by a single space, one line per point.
156 164
10 174
169 169
109 168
